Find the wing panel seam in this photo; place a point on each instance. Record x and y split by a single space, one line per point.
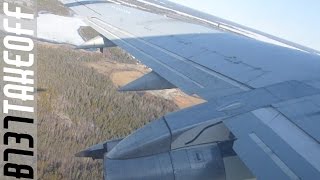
273 156
182 59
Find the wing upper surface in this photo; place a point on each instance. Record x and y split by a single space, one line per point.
197 59
214 64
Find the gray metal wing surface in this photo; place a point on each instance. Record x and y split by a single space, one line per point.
263 100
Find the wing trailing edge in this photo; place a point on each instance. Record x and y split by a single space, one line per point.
97 42
150 81
97 151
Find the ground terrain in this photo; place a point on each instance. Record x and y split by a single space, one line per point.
78 107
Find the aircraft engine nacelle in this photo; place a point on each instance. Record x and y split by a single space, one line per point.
201 162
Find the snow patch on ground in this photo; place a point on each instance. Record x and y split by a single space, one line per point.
60 29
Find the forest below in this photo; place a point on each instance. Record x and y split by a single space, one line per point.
79 107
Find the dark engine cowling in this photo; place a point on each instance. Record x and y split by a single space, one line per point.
200 162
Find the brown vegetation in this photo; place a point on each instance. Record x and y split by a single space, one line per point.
53 6
123 73
87 32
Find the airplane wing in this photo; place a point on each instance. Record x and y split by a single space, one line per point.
262 110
